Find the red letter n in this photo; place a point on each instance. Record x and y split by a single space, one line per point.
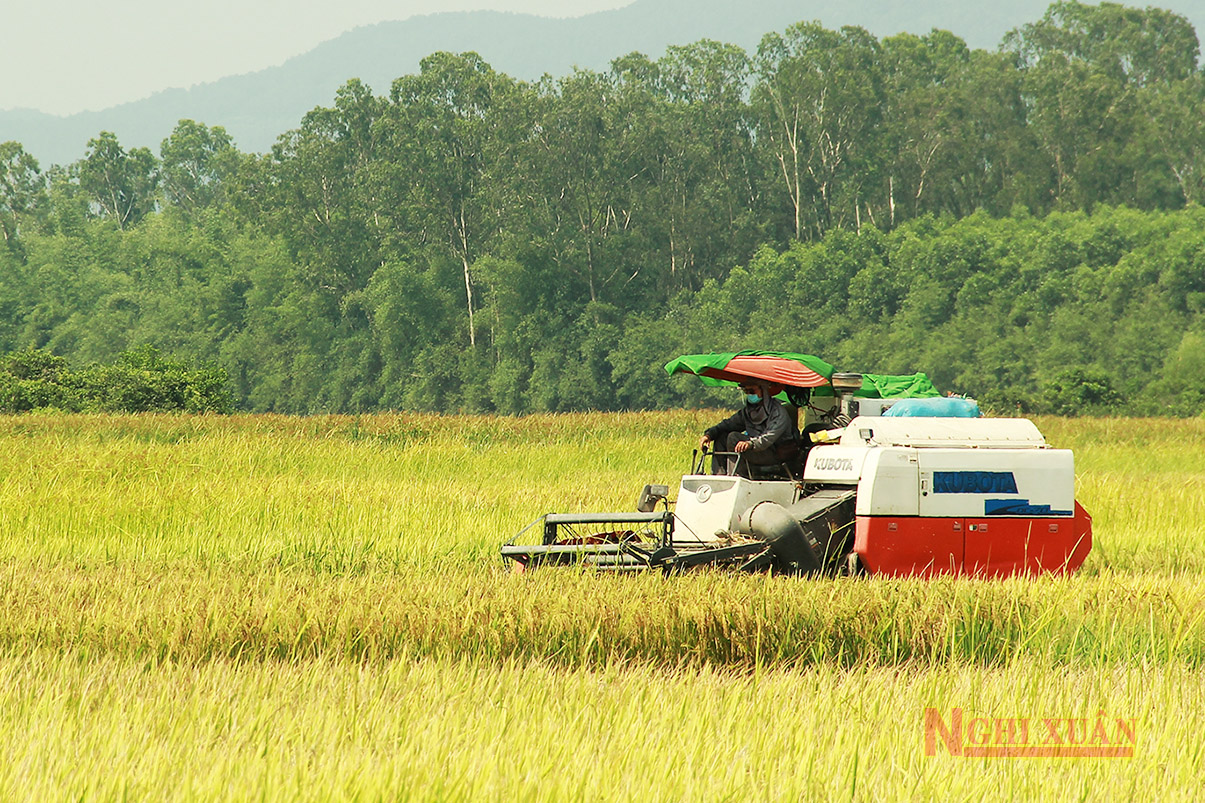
951 736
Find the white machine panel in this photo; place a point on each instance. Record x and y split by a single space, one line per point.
836 464
1022 483
709 504
921 432
890 483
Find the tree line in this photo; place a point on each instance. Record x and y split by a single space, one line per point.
1021 224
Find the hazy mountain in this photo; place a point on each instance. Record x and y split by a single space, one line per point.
255 108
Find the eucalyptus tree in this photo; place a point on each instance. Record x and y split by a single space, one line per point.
1086 69
926 125
999 161
588 163
449 140
1133 46
119 184
312 198
317 175
23 195
195 161
819 100
708 184
22 201
1177 123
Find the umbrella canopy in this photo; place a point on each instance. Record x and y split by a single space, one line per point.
778 367
790 369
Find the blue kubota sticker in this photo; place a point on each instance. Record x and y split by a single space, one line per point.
974 482
1019 507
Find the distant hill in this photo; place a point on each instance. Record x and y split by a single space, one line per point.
257 107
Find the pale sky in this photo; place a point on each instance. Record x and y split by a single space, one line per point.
66 56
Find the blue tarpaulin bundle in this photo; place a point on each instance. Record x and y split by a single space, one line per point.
941 407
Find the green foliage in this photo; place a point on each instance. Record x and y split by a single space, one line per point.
141 380
1022 225
1080 391
119 184
22 193
33 379
196 161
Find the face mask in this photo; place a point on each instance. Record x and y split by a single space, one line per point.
752 398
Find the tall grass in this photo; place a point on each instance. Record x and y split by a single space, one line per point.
198 537
401 490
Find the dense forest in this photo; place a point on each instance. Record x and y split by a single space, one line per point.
1024 225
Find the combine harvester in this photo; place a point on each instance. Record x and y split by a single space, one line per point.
891 479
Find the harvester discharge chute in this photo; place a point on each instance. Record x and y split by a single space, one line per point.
929 489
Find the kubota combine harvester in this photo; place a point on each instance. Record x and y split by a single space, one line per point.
891 479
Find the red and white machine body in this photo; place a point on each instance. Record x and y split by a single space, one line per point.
981 496
977 496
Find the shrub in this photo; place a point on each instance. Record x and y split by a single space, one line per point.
141 380
1081 391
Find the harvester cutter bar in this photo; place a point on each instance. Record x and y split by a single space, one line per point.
623 555
614 550
700 557
553 521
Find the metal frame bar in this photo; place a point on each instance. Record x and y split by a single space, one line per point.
665 518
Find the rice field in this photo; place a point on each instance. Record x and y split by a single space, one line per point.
228 608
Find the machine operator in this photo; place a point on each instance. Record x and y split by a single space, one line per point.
761 433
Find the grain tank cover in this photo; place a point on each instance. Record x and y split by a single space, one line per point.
945 433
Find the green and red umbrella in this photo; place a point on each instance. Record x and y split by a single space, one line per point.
778 367
791 369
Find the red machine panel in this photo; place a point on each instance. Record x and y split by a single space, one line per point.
908 545
1002 547
983 547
